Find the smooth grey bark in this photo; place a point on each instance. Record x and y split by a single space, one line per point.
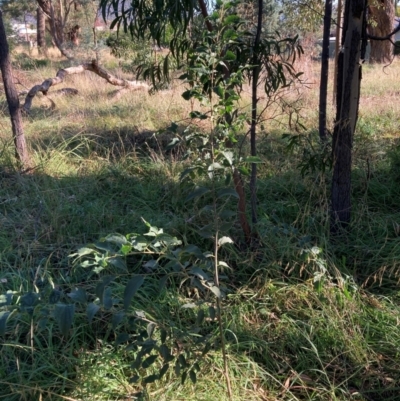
41 31
21 149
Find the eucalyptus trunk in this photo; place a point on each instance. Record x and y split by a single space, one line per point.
380 23
12 99
41 31
348 95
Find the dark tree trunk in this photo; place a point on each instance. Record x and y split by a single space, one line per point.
348 94
323 92
381 20
12 99
41 31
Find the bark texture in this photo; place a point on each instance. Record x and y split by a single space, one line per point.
348 95
12 100
93 67
41 31
381 21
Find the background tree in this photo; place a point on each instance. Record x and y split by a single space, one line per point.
380 23
63 19
41 31
12 99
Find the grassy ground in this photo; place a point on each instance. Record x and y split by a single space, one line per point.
304 318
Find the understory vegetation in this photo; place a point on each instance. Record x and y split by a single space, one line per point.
104 233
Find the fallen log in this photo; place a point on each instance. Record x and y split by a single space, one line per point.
93 67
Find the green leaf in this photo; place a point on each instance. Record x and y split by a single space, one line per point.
117 319
200 317
163 335
163 370
107 299
55 296
231 19
252 159
150 379
187 95
177 368
197 193
84 251
64 315
5 299
78 295
224 240
130 290
118 263
183 377
182 361
149 361
216 291
211 311
227 192
91 310
137 363
162 282
3 322
134 379
116 239
121 338
192 375
29 299
229 56
197 271
150 329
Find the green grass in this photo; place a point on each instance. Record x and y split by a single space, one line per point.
305 318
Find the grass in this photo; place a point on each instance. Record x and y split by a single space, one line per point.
304 318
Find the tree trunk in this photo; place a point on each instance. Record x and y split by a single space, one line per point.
57 24
323 92
381 20
348 95
12 99
41 31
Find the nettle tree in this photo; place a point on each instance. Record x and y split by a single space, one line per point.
226 53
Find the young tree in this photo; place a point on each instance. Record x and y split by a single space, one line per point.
323 94
12 99
380 23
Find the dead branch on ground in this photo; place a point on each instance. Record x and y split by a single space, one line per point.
93 67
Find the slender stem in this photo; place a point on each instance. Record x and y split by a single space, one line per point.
337 46
219 315
254 101
323 93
